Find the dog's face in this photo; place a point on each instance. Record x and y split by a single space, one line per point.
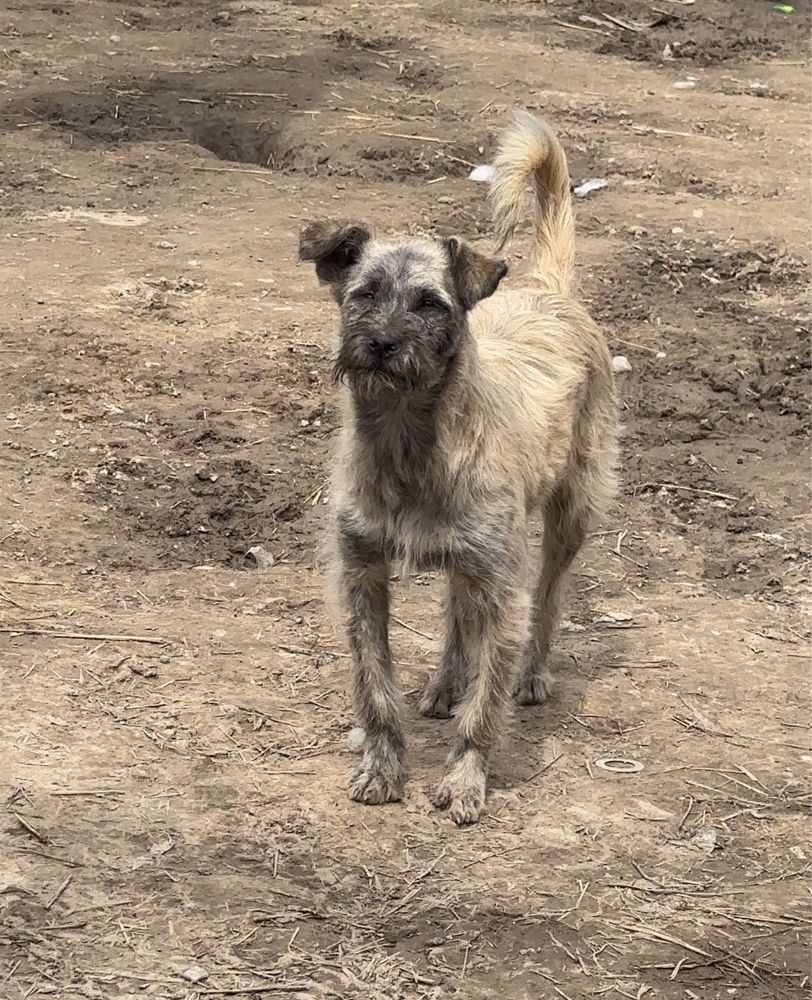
403 306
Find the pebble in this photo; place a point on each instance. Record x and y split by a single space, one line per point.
356 738
195 974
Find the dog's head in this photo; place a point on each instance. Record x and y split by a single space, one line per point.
403 305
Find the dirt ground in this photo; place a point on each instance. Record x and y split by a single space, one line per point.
175 821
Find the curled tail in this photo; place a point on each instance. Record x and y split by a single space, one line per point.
530 153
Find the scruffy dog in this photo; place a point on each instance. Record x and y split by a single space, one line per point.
463 418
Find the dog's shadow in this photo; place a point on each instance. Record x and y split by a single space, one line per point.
532 736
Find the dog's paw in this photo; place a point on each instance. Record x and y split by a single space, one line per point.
443 691
462 789
375 786
437 703
465 805
533 689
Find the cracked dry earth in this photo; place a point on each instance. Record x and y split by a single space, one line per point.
175 823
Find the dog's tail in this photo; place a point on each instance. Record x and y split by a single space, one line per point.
530 153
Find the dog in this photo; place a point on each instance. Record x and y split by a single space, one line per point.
465 415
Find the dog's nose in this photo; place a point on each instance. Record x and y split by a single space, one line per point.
382 347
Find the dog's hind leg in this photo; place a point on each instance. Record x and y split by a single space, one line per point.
494 630
365 582
567 515
447 684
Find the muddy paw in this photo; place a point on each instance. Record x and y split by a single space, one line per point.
462 789
534 689
465 806
373 787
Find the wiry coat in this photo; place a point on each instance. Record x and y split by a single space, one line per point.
465 414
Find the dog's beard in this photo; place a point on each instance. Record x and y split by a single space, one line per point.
368 380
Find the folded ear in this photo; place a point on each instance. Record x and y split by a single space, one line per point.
475 276
335 248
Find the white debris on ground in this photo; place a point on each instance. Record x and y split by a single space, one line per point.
587 187
356 738
261 556
620 364
483 173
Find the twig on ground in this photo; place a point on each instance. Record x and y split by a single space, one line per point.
268 988
101 637
10 600
416 138
232 170
686 814
88 791
455 159
411 628
542 769
626 25
63 886
31 829
53 857
692 489
580 27
256 93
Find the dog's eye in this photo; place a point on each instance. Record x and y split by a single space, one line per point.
429 301
364 295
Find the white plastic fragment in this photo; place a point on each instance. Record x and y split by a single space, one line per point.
620 364
262 557
356 738
483 173
587 187
688 84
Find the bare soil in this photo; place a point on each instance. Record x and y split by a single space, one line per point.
175 821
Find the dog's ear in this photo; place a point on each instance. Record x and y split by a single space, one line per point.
475 276
334 248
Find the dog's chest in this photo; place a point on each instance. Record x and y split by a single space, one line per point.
405 490
411 514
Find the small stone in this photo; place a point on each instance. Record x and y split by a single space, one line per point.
142 669
195 974
222 18
707 841
620 364
356 739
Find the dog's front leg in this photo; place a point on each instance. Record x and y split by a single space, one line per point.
495 624
365 582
